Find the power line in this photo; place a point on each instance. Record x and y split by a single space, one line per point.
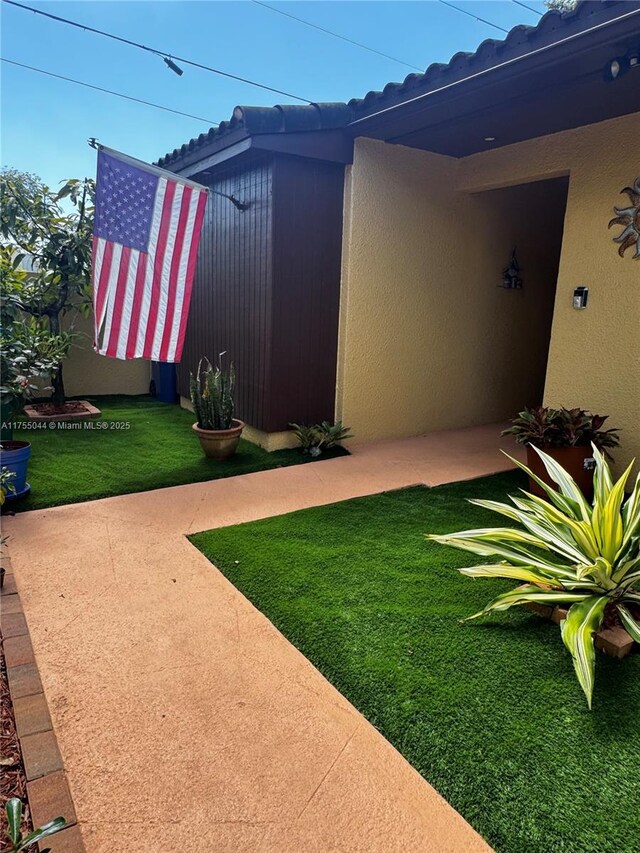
336 35
530 8
107 91
458 9
164 54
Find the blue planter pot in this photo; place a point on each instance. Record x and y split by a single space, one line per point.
14 455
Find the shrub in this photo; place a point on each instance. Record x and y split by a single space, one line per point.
318 437
567 552
544 428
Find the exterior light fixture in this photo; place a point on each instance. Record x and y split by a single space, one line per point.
489 139
621 64
511 275
171 64
615 68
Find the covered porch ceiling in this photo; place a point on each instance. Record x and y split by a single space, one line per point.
557 87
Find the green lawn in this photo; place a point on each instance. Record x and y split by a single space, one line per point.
489 712
159 449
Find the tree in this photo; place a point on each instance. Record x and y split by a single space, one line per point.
561 5
54 244
29 351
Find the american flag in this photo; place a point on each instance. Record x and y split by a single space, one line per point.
145 243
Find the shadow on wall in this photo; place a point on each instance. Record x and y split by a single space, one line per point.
530 218
89 374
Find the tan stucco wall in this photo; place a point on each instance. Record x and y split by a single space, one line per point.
594 358
427 339
85 372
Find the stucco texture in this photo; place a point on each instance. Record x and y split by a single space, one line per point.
86 373
429 341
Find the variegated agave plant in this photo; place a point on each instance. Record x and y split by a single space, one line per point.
568 552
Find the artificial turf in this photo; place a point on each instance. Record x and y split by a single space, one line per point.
489 712
158 449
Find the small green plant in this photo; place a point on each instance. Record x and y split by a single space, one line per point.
569 552
212 395
318 437
18 841
544 428
6 476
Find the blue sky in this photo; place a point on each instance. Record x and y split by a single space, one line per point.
46 122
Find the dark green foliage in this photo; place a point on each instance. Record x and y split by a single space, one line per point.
20 842
211 392
490 712
159 449
318 437
36 227
545 427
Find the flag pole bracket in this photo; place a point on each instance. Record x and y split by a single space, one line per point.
239 205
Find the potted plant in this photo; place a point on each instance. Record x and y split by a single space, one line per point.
212 398
567 435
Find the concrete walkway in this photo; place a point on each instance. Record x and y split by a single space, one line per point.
184 718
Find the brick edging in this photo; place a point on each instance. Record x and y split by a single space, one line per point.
47 788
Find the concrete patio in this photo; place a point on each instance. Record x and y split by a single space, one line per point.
180 711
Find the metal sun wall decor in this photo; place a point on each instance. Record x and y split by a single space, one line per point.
629 217
511 275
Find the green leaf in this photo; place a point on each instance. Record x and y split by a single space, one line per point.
504 570
44 831
607 520
514 553
524 594
568 486
583 620
563 503
13 809
630 624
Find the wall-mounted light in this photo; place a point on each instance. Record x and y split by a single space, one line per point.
615 69
489 139
511 275
580 297
621 64
171 64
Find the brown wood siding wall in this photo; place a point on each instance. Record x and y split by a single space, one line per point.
231 298
267 288
307 216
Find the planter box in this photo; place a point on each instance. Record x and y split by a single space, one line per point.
615 642
82 411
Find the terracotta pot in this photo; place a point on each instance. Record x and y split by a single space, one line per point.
577 461
219 443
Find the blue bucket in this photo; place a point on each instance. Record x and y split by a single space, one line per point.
14 455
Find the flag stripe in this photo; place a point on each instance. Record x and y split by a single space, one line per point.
141 274
118 302
127 304
193 256
158 266
170 354
104 251
151 256
112 283
167 267
174 275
